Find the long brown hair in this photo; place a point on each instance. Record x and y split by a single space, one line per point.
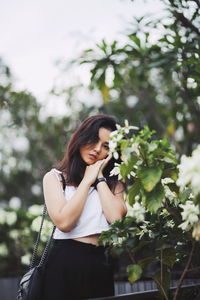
72 164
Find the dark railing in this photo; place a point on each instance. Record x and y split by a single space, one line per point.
141 290
146 295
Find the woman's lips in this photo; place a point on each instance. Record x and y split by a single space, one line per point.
93 157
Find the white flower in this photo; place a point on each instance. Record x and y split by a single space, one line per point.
126 154
118 126
144 229
113 133
14 234
36 189
11 217
26 231
170 224
169 194
192 218
189 215
112 145
119 137
35 226
196 231
35 209
167 180
3 249
127 127
46 229
116 155
119 241
26 259
185 226
15 203
131 174
135 148
126 123
137 211
116 171
189 171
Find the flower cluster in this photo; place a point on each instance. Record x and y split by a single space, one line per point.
189 215
145 230
137 211
189 171
46 229
116 171
116 136
7 217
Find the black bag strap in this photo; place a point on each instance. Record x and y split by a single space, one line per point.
46 249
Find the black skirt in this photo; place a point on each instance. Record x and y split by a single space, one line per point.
76 270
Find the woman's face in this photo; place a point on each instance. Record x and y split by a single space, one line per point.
93 152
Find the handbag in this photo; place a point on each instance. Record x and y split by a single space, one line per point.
30 286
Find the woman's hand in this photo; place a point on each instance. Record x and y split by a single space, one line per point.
92 171
105 161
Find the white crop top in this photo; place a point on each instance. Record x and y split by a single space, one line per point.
91 220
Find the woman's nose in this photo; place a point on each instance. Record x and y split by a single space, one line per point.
97 147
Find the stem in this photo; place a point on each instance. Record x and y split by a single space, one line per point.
184 271
161 266
161 287
170 210
130 256
158 283
186 22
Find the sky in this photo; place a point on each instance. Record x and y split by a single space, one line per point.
35 34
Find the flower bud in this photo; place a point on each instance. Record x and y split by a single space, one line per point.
196 231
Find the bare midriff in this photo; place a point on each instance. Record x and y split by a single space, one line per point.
90 239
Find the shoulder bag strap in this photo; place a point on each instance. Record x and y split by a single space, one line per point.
46 249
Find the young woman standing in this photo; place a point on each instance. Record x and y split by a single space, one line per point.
77 267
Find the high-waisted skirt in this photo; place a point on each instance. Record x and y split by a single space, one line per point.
76 270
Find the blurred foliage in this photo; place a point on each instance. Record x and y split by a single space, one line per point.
18 232
29 143
154 83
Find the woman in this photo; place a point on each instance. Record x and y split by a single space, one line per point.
77 268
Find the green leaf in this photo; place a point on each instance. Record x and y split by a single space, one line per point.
134 273
171 173
125 169
154 199
134 191
167 157
135 39
150 177
169 257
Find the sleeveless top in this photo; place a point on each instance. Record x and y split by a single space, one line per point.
92 219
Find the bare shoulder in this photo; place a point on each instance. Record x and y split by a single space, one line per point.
49 175
50 178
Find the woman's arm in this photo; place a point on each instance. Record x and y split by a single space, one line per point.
64 214
113 204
